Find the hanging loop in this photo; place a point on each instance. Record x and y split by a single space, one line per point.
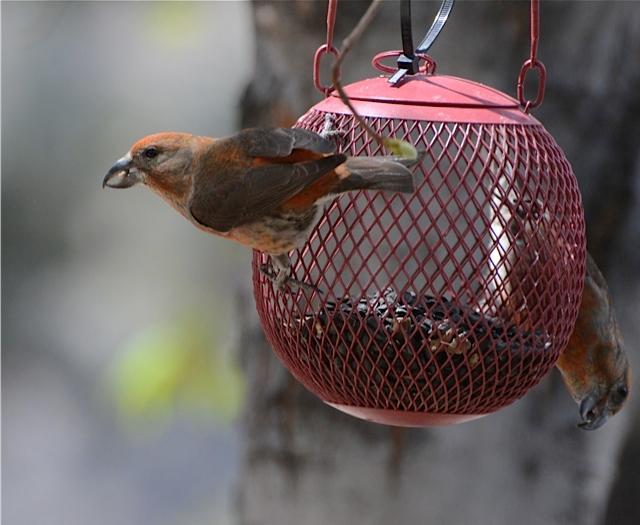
427 67
533 63
542 78
326 48
409 60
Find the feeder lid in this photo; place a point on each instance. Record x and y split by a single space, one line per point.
430 97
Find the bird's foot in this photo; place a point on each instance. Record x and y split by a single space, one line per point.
283 281
327 131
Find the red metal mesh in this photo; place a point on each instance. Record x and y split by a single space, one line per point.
491 244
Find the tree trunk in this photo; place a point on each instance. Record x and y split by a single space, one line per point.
306 463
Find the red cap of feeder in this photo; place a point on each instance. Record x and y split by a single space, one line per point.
448 304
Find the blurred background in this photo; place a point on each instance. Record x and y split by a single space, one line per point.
115 309
136 384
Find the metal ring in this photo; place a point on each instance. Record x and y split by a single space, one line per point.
317 58
542 78
427 68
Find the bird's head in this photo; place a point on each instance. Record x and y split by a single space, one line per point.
164 162
159 156
604 399
594 365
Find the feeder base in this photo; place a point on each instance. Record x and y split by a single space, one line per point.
403 418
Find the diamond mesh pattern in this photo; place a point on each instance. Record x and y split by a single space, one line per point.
454 300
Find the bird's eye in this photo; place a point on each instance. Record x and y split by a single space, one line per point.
619 395
622 392
151 152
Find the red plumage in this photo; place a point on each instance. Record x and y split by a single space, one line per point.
263 188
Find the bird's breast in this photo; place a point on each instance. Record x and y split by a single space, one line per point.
278 233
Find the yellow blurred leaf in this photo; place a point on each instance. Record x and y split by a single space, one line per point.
401 148
176 366
175 22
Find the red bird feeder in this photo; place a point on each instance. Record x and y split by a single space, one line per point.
448 304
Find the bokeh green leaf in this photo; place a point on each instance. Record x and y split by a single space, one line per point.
400 148
175 23
176 366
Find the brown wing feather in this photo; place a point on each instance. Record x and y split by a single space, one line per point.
280 142
226 201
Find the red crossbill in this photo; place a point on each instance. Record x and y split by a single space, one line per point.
261 187
594 365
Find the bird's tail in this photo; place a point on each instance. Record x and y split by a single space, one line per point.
376 173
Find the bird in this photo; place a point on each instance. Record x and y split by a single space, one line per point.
262 187
594 365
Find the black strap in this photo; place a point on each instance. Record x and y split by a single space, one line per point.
438 23
408 62
405 28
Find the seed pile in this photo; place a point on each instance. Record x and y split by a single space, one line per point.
404 351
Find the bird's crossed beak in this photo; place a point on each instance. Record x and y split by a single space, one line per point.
594 412
122 174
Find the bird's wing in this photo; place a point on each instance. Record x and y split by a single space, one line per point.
280 142
222 206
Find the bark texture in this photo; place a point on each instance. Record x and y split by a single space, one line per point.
306 463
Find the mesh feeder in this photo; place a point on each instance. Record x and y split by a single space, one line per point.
448 304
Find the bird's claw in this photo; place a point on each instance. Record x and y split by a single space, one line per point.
327 131
283 281
334 133
295 284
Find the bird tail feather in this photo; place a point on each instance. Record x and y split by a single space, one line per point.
377 173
